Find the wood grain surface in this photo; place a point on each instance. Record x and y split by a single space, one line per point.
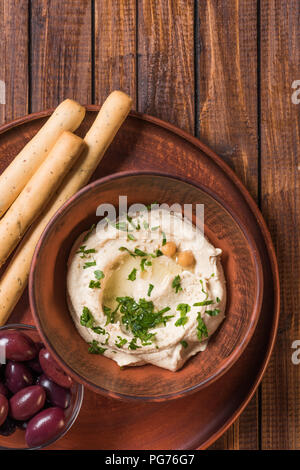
220 70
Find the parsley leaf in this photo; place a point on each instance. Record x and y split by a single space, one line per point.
86 318
94 284
88 264
85 252
89 232
121 342
99 274
213 313
139 317
201 328
132 275
183 309
184 343
95 348
132 345
150 289
203 303
176 284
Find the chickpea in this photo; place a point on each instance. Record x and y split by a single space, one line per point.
169 249
185 258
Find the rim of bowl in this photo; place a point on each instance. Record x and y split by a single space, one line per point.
226 363
77 404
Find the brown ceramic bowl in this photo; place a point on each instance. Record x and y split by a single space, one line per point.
47 289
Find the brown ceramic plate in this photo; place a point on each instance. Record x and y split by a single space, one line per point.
47 288
196 421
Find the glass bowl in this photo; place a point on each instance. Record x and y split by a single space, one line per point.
17 439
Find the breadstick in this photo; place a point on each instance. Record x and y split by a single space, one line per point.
110 118
38 191
66 117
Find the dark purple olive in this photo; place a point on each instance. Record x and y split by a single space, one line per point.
4 390
53 371
57 395
18 347
44 426
27 402
3 409
18 376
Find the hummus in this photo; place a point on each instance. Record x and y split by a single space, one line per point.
136 305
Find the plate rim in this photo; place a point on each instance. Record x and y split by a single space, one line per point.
256 213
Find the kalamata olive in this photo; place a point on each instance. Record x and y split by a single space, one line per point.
8 427
18 347
3 408
53 371
57 395
27 402
44 426
4 390
18 376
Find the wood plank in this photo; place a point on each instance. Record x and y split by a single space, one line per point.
14 58
61 65
280 150
166 60
115 48
227 76
227 121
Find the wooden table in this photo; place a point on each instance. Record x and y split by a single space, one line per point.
220 69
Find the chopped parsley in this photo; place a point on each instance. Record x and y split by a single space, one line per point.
201 328
136 252
146 225
183 309
144 263
87 318
95 348
164 240
203 303
202 289
139 317
99 330
130 237
99 274
132 345
176 284
132 275
110 314
155 228
184 343
121 342
153 204
157 254
88 264
89 233
136 227
213 313
88 321
218 300
85 252
94 284
150 289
